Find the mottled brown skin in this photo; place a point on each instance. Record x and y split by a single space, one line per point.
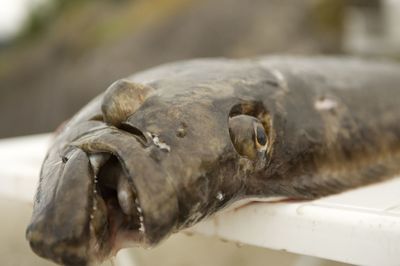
186 139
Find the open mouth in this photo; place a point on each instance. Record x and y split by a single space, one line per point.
109 195
116 216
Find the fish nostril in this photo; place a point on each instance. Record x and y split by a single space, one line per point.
134 131
122 99
97 117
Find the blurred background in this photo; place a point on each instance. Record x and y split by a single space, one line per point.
55 55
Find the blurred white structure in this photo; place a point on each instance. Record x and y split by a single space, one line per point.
373 27
392 23
13 16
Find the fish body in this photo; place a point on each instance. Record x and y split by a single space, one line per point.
165 148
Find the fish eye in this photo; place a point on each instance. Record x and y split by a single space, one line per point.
247 135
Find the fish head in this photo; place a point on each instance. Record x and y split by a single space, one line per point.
139 163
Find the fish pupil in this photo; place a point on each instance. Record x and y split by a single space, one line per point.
261 137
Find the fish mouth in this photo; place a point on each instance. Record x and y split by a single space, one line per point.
130 189
107 194
116 216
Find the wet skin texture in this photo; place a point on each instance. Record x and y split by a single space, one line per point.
165 148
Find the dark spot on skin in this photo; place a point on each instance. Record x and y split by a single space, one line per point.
64 159
181 131
272 83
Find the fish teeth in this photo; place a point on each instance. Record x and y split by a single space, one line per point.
97 160
94 207
141 228
138 208
220 196
141 218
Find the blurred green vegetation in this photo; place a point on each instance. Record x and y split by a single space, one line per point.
69 29
329 15
41 18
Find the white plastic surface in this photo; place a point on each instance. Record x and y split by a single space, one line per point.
20 162
361 226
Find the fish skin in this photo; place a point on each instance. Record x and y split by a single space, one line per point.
331 124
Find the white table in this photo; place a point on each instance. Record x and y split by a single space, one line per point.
360 227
